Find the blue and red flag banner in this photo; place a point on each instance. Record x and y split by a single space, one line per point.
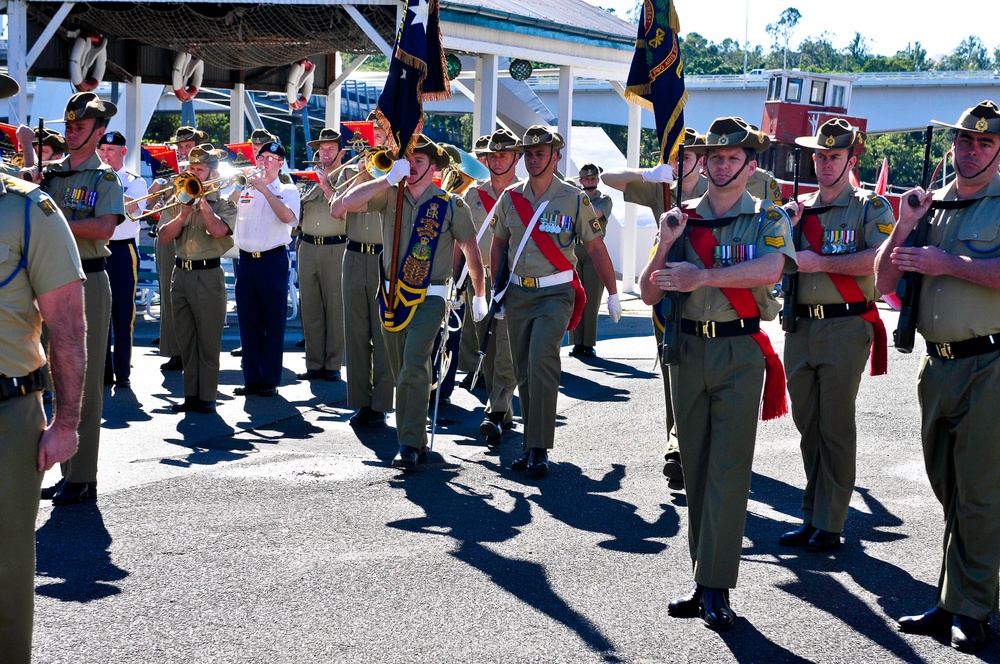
162 160
656 78
299 176
417 73
357 135
8 140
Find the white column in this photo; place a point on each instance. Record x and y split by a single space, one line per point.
629 232
333 95
17 49
484 119
133 123
566 111
237 113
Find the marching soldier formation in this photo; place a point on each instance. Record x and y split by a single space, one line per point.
378 244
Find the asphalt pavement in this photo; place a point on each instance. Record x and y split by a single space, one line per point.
274 532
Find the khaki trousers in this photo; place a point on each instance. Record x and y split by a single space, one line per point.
165 257
199 306
369 378
322 298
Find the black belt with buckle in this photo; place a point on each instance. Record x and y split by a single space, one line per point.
820 311
260 254
363 247
91 265
711 329
17 387
323 239
206 264
958 350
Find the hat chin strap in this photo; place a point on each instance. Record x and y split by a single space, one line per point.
429 166
89 136
980 171
513 163
728 182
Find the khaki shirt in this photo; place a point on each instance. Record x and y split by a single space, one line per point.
315 217
195 243
861 212
650 194
602 208
456 225
53 261
93 190
759 224
952 309
479 214
762 185
565 200
361 226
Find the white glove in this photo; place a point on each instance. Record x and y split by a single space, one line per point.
479 308
400 169
501 312
661 173
614 307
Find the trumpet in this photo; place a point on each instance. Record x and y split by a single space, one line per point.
187 190
378 162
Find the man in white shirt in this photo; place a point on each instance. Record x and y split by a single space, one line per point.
122 264
268 210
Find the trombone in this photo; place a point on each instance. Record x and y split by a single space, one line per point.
378 162
188 189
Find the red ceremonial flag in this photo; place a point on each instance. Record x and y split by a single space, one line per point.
853 179
297 176
8 139
883 178
241 155
355 132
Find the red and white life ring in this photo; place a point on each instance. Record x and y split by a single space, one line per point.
87 61
186 76
299 87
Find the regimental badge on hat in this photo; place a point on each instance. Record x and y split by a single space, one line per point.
834 134
502 140
272 147
326 135
983 118
590 170
85 105
112 138
541 135
732 132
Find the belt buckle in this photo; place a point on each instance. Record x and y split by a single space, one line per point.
186 264
255 254
367 248
529 282
816 311
944 350
318 239
708 329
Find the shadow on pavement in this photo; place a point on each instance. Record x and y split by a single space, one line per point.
73 545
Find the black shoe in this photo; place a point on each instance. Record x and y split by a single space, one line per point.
312 374
155 342
301 343
205 407
492 432
538 462
406 458
798 537
189 404
688 606
123 384
969 634
520 463
366 417
588 351
674 471
508 425
823 540
237 352
576 351
71 493
444 401
50 491
936 622
247 390
332 375
173 364
466 383
715 610
268 391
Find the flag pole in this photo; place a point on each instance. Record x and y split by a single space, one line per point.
393 267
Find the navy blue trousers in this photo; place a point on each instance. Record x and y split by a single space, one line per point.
123 265
261 301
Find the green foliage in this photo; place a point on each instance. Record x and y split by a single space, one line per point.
162 126
970 55
701 56
906 157
375 62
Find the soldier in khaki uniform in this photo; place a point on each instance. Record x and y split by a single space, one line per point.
584 337
201 234
48 287
432 224
369 377
502 150
836 323
320 262
186 138
645 187
542 296
737 242
93 201
958 386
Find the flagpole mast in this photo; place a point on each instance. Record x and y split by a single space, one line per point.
393 267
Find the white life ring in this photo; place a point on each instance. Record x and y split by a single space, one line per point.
88 56
186 76
299 87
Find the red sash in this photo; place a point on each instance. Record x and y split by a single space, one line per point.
848 288
551 253
775 405
488 201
